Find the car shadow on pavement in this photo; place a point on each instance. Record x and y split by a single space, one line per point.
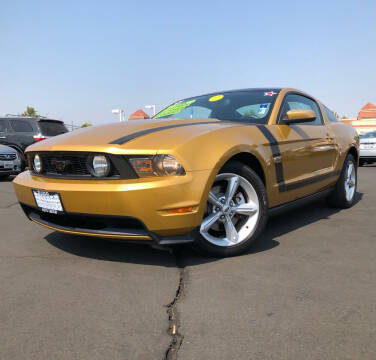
101 249
280 225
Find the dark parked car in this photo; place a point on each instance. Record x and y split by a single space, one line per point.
20 132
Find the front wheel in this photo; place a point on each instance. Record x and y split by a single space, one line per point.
236 212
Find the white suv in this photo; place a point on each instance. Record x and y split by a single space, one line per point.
368 148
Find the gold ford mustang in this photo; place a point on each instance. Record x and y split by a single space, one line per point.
208 169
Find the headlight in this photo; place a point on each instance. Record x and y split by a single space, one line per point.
167 165
158 165
37 164
100 166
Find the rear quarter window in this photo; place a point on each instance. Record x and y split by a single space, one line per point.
331 115
52 128
21 126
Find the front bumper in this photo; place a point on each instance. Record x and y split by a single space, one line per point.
14 170
106 206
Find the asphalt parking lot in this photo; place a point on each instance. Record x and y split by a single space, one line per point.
306 291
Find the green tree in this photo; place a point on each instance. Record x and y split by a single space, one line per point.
344 117
86 125
30 111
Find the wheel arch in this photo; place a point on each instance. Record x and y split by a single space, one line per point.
21 153
252 161
244 155
354 152
17 148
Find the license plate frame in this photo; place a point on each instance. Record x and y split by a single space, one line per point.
8 164
48 201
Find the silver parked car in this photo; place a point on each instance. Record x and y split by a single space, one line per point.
367 148
10 162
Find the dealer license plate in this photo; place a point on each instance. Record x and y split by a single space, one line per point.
48 201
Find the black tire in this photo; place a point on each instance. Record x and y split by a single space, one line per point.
362 162
4 177
208 248
22 158
338 197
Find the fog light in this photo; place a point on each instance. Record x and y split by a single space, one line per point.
37 164
100 166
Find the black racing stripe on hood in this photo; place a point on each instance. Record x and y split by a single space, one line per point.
138 134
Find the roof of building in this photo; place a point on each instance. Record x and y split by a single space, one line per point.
368 111
139 115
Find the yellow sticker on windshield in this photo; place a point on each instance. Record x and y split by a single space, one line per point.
216 97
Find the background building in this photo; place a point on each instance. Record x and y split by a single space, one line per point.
139 115
366 120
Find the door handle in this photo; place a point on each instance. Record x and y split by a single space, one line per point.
2 137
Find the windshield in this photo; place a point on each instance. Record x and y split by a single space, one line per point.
369 135
249 106
52 128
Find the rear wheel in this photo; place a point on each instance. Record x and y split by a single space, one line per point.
4 177
344 193
362 162
236 212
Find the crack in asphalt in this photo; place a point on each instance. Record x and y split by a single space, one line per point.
173 314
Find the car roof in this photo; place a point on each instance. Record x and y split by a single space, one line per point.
276 89
29 118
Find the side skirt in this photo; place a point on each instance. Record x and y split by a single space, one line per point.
299 202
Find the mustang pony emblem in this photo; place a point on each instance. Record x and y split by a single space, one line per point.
60 165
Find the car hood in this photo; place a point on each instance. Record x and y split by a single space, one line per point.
137 136
7 150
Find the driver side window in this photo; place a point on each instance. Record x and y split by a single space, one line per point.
300 102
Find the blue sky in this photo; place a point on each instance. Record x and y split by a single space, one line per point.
77 60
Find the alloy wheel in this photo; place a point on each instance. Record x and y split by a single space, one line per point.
350 181
232 212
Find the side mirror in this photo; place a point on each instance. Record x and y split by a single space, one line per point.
299 116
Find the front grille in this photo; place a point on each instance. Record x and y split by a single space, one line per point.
65 165
76 165
8 157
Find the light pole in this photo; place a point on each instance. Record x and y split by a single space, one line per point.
120 112
150 107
